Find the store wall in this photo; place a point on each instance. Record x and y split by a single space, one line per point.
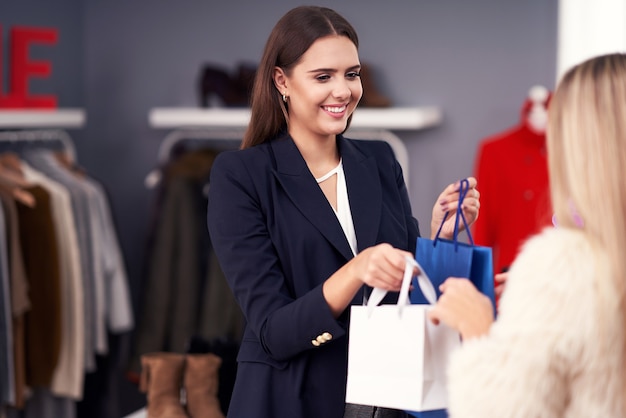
66 56
118 59
474 59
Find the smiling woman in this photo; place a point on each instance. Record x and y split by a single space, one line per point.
305 222
321 92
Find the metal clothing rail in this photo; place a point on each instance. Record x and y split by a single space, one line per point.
41 135
218 139
230 138
205 124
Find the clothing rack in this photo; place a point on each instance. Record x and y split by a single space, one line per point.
218 139
43 136
229 139
374 124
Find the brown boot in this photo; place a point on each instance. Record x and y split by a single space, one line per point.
161 379
372 97
201 384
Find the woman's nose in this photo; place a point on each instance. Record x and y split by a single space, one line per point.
342 90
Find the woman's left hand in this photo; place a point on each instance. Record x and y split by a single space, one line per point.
462 307
447 202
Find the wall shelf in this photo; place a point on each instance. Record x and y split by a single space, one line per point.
229 124
393 118
42 118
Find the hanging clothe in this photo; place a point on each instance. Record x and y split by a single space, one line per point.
184 296
512 173
63 281
68 376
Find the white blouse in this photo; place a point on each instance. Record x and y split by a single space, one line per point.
344 215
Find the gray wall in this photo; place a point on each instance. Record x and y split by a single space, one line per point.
475 59
66 57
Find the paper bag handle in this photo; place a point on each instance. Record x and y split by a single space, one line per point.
423 281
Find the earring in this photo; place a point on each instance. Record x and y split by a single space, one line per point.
285 97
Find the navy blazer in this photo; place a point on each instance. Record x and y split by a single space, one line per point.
277 240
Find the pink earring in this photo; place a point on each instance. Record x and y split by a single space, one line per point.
578 220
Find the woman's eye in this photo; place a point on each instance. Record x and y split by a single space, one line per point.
323 77
353 74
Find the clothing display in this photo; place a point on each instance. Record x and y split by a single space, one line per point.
512 172
184 297
217 84
372 95
64 282
547 343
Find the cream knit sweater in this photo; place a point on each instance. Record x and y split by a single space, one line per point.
544 357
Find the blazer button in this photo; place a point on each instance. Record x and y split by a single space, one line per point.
315 343
320 339
327 336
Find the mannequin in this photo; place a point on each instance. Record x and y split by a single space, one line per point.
511 168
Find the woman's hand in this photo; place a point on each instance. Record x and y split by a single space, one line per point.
381 266
462 307
447 202
500 282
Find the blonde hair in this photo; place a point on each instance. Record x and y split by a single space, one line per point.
587 155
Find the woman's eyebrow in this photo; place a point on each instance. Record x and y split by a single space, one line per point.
333 70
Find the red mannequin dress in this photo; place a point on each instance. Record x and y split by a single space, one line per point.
512 173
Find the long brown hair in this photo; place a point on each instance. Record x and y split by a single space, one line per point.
292 36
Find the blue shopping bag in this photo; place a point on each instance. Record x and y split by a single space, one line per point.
439 413
442 258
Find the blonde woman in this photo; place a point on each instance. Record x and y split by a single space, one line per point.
557 348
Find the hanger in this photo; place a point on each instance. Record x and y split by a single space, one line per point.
11 175
217 139
12 179
10 162
29 137
230 139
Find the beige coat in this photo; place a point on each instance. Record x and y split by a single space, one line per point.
544 357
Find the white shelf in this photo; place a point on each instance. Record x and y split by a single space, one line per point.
372 123
42 118
396 118
393 118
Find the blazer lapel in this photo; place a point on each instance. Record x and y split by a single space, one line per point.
298 182
364 192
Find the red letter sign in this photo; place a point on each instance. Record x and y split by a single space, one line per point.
22 68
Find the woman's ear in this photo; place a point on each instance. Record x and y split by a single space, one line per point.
280 80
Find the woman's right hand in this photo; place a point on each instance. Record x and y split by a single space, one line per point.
381 266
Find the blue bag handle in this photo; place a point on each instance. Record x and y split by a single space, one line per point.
463 189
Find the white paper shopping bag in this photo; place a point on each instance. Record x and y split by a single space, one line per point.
396 357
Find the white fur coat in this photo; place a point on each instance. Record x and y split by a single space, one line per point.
544 357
